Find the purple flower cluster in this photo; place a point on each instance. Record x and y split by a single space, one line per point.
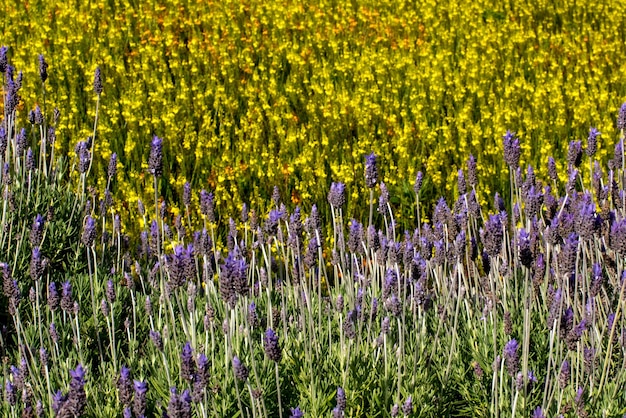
512 149
492 235
241 371
179 405
337 195
621 118
233 280
181 266
72 404
187 363
371 171
97 81
511 357
84 155
272 346
155 161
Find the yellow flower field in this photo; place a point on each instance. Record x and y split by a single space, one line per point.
250 94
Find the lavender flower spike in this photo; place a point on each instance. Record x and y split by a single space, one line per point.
512 149
472 175
552 169
371 171
3 59
271 345
617 236
10 393
341 399
77 398
592 142
155 161
419 178
564 374
112 168
511 357
538 413
43 68
187 364
337 195
407 408
574 153
125 386
140 402
89 232
97 81
621 118
241 371
492 235
296 413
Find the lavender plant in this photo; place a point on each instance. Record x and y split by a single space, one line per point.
471 311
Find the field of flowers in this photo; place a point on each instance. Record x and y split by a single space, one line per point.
231 209
252 94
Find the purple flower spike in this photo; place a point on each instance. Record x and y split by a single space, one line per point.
383 199
67 304
564 374
271 345
417 186
3 59
371 171
567 257
621 118
10 393
89 232
207 205
296 413
341 399
512 149
155 161
112 168
187 194
511 357
36 232
574 153
97 81
58 401
203 374
461 183
181 266
30 159
155 336
187 364
395 411
492 235
43 68
592 142
337 195
407 408
125 386
140 403
241 371
525 252
77 398
179 405
472 176
618 155
538 413
355 237
618 236
552 169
